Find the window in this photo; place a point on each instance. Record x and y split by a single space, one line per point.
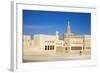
87 47
48 47
45 47
66 48
76 48
52 47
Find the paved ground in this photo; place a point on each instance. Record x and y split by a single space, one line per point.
57 57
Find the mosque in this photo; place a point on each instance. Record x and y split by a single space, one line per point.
43 44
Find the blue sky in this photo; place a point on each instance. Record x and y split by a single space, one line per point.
48 22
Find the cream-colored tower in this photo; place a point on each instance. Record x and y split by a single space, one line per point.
68 27
67 35
74 42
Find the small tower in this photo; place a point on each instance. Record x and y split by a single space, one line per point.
57 35
68 26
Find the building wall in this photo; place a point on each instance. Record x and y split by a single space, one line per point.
61 47
45 43
26 42
36 41
52 45
77 43
87 42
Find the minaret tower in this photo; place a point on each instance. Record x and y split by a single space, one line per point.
68 32
67 35
68 26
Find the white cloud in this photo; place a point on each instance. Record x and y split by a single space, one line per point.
37 26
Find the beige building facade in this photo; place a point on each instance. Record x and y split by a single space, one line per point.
52 44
